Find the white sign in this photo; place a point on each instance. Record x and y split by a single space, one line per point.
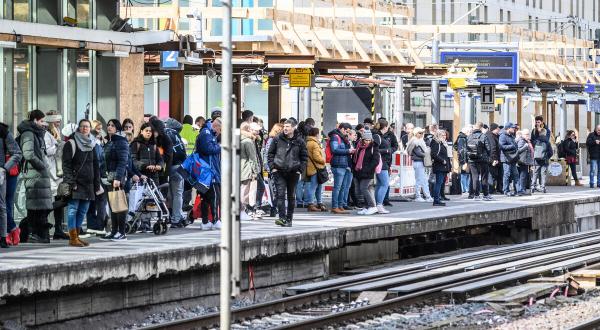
555 169
348 117
487 107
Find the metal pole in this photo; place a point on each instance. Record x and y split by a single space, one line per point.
399 105
307 102
562 116
226 162
435 84
468 109
505 112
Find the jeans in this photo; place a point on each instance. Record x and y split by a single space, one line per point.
300 190
11 189
381 188
76 211
438 186
342 177
313 191
479 178
523 174
594 172
3 215
364 187
260 189
175 196
465 182
539 175
509 174
421 180
286 183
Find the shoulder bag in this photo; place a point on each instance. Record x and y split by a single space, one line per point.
65 189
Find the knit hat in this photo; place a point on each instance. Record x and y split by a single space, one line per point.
367 135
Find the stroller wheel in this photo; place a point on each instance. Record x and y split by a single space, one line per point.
165 229
157 228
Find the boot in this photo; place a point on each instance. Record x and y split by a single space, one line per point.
81 241
313 208
578 183
74 239
58 231
3 244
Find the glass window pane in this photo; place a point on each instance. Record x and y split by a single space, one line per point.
21 75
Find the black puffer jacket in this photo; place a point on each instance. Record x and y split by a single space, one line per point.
385 149
288 154
439 155
116 155
593 147
145 153
81 169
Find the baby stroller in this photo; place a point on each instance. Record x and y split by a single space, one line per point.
146 206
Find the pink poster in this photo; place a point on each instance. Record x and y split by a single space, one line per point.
163 109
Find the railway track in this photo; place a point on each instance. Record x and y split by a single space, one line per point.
592 324
310 306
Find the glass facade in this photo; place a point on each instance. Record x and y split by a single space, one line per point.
48 78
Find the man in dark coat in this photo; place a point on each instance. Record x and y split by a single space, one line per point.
478 155
209 149
593 145
509 157
287 159
495 168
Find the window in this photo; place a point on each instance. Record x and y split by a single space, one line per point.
433 12
529 23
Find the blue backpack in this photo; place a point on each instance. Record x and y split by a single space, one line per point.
197 172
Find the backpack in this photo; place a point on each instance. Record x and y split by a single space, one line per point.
560 149
179 147
475 147
328 152
539 151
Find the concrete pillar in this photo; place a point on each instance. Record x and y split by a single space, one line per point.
520 107
307 102
577 108
562 117
176 94
131 85
398 104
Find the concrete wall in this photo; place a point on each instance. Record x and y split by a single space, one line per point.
131 87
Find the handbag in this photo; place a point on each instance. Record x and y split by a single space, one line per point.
322 174
117 201
65 189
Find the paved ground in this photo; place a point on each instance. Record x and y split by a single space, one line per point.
304 222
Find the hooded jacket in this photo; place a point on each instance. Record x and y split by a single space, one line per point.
9 147
145 153
35 175
81 169
250 168
163 143
592 146
507 145
209 149
385 149
315 156
340 149
173 131
288 154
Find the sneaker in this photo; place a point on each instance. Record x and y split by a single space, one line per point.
371 211
544 190
85 235
488 198
119 237
94 231
108 237
419 200
217 225
258 215
281 222
470 197
206 226
361 211
382 210
429 200
477 198
245 216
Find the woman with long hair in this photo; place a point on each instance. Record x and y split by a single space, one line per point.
386 152
421 156
316 162
249 170
81 171
54 150
441 164
366 160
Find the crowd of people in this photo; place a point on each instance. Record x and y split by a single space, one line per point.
48 168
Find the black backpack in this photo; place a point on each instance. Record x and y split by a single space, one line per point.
179 148
560 148
475 147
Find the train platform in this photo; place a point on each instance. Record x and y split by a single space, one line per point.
307 250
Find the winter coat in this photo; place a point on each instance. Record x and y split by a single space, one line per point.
493 139
54 150
209 149
417 149
370 162
507 145
535 135
543 139
525 151
81 170
145 153
265 154
592 146
439 156
116 157
340 150
9 147
35 174
288 154
189 134
163 143
393 140
178 147
385 149
316 160
571 148
248 159
460 146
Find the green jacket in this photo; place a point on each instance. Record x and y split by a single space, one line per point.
189 133
248 160
35 175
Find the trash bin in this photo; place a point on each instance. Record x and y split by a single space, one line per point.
558 173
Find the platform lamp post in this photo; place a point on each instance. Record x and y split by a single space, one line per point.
226 167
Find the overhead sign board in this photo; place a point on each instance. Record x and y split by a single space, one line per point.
488 98
492 67
300 77
169 60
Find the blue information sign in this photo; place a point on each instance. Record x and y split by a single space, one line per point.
168 60
492 67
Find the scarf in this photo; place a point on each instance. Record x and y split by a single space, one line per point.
362 148
84 143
